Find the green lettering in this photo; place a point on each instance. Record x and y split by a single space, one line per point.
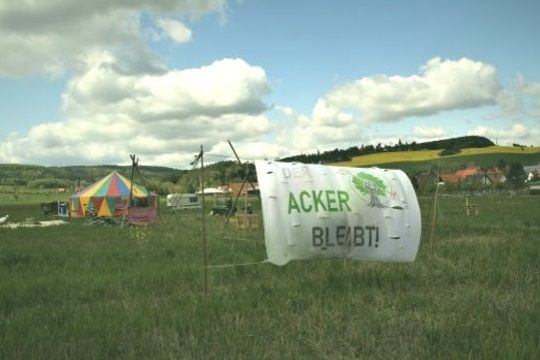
331 200
293 205
318 201
305 208
343 198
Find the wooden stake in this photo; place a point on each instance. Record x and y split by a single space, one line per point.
434 217
203 222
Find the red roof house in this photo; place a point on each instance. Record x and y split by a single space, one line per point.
467 172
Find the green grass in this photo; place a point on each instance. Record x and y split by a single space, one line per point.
90 292
31 198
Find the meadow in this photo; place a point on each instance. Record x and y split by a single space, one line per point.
103 292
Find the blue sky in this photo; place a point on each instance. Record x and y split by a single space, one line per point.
276 77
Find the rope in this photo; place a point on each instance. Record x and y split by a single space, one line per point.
229 237
233 265
229 157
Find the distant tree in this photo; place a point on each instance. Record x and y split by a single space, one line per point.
48 183
501 164
369 149
516 175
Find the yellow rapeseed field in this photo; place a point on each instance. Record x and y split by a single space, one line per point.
425 155
500 150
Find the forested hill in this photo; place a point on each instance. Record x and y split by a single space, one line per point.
34 176
165 180
160 179
447 146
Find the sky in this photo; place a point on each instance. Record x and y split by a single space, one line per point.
90 82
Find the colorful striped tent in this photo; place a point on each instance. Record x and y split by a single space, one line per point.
109 197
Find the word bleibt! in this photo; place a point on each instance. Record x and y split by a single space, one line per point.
345 236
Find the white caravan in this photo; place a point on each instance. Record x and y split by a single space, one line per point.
183 201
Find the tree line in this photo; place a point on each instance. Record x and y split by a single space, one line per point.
447 147
162 180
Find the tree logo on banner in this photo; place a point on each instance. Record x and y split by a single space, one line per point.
370 185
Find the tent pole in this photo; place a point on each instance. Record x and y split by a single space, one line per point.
246 179
133 165
203 223
240 162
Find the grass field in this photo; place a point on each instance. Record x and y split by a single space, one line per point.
105 292
424 159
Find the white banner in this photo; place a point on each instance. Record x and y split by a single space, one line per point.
312 211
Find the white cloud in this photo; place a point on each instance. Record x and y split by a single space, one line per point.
532 91
442 85
517 133
248 151
426 133
345 115
164 116
224 87
54 36
328 115
175 30
519 100
111 114
326 129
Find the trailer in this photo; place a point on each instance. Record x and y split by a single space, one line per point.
183 201
58 208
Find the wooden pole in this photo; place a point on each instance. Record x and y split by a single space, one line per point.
133 165
240 162
234 151
434 217
246 218
203 223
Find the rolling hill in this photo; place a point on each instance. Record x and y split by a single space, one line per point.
448 154
36 176
424 160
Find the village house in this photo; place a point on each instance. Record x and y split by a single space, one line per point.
449 178
463 173
468 176
532 171
496 176
476 179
